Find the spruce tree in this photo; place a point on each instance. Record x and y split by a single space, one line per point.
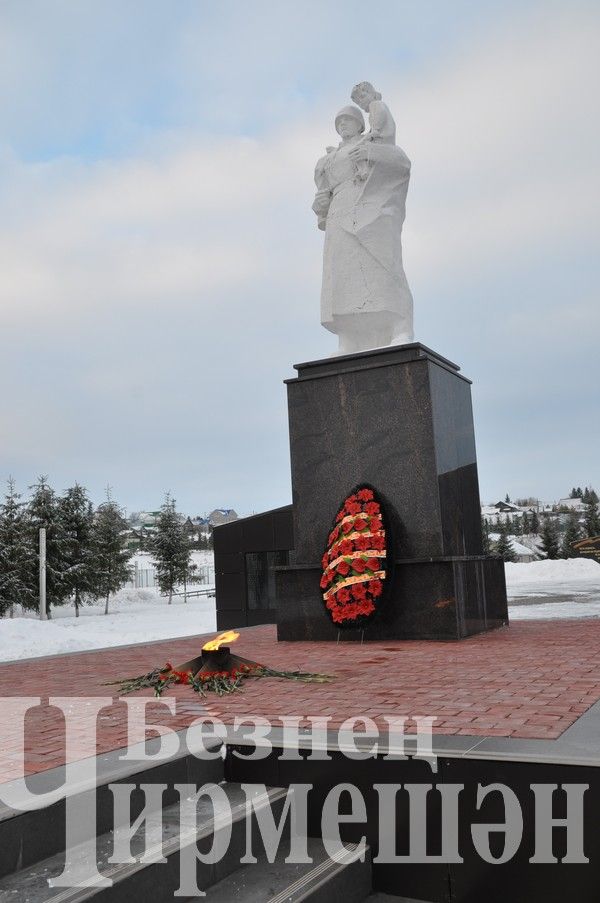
77 518
16 555
535 522
170 549
592 516
43 511
550 539
504 547
189 569
111 558
525 525
485 535
571 535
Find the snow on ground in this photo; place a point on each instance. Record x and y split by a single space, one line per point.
550 576
553 589
135 616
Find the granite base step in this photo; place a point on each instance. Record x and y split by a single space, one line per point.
342 879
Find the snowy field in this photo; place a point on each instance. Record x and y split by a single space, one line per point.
554 589
541 589
135 616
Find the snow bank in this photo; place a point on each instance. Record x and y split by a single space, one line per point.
135 616
569 570
554 610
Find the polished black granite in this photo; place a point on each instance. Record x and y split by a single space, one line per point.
443 599
401 419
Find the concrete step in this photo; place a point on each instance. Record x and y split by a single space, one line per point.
142 879
27 837
344 879
387 898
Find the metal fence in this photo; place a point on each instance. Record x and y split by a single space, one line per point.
145 578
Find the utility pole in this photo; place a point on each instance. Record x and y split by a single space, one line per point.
43 612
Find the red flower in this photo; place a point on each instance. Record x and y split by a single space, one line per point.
343 568
359 565
366 607
347 527
365 495
375 588
362 543
378 542
360 524
353 508
359 591
372 508
376 524
325 560
373 564
345 547
324 581
343 595
333 535
339 516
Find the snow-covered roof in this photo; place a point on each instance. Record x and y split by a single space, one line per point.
574 504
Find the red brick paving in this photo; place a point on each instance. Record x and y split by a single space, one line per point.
532 680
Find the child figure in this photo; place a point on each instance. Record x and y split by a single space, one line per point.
383 127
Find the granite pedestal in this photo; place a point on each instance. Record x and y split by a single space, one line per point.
401 419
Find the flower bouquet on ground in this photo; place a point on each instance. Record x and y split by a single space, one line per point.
215 670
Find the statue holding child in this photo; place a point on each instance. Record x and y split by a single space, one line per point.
360 205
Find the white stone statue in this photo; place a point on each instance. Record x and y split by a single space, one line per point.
360 204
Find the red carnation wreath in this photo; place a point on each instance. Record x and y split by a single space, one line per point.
354 564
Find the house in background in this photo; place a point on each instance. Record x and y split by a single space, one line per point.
576 505
524 553
221 516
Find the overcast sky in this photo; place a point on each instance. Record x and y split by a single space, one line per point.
160 264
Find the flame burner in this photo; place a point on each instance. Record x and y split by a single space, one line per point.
215 669
221 659
229 636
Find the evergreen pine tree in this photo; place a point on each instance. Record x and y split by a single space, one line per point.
592 516
485 534
535 522
504 548
77 518
189 569
516 527
43 511
111 559
16 554
170 549
550 539
507 499
571 535
525 525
